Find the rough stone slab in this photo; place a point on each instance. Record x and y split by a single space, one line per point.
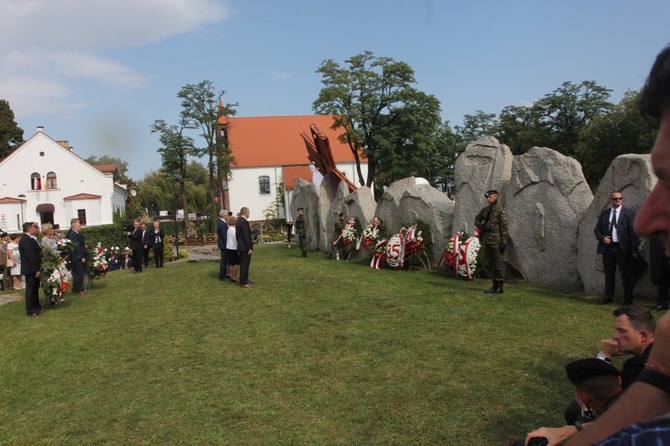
546 198
633 176
326 196
306 195
360 204
389 204
433 208
485 164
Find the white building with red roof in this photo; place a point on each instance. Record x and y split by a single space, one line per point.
269 152
43 180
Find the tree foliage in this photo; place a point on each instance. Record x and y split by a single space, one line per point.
121 167
202 107
160 192
11 135
384 119
622 130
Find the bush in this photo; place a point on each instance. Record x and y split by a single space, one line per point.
183 253
106 235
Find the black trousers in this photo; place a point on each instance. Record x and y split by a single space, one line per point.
138 259
78 275
245 261
613 257
32 295
158 254
145 256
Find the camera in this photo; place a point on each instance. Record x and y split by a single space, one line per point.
128 228
535 441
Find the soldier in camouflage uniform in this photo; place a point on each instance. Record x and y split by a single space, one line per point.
301 231
338 244
492 224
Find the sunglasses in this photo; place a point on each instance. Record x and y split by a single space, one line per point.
616 198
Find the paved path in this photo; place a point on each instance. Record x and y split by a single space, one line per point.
10 296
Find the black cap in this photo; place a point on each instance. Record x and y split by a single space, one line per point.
588 368
490 192
301 209
341 214
3 234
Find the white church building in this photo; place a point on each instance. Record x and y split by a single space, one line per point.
43 180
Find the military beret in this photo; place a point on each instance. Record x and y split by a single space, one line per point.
588 368
301 209
341 214
3 234
491 192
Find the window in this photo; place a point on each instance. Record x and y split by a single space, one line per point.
264 184
35 181
51 181
81 214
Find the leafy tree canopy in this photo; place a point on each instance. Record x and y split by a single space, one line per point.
11 135
121 167
373 101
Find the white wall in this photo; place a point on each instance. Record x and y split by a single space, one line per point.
42 155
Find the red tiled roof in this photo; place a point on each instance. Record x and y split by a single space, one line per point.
82 197
276 141
7 200
290 174
105 168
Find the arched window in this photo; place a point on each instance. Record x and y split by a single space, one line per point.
51 181
264 184
35 181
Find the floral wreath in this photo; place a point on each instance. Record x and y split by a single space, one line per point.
460 254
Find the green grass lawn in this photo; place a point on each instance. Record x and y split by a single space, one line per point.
319 352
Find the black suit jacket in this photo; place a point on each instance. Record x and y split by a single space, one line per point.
31 255
152 236
243 235
80 251
136 239
629 242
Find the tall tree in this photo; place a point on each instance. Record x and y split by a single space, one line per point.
175 150
410 145
364 98
11 135
622 130
475 127
121 167
567 109
158 190
202 107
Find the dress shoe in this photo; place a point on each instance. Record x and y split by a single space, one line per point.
605 302
248 285
659 308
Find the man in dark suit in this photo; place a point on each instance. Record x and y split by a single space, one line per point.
135 242
156 236
146 244
78 257
221 237
617 242
31 262
245 246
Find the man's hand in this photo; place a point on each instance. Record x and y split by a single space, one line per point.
83 260
251 251
607 240
609 348
554 435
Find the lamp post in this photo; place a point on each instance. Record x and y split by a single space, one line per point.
23 218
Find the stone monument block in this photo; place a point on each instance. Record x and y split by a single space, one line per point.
434 208
389 204
546 198
485 164
632 175
306 195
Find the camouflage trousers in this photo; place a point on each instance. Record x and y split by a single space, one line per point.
493 262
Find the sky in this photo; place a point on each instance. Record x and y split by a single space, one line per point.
98 73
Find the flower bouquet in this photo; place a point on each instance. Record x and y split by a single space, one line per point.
372 235
56 278
350 236
98 265
460 254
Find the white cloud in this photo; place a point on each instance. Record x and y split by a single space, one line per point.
83 24
49 45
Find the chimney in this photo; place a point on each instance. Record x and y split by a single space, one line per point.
40 128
